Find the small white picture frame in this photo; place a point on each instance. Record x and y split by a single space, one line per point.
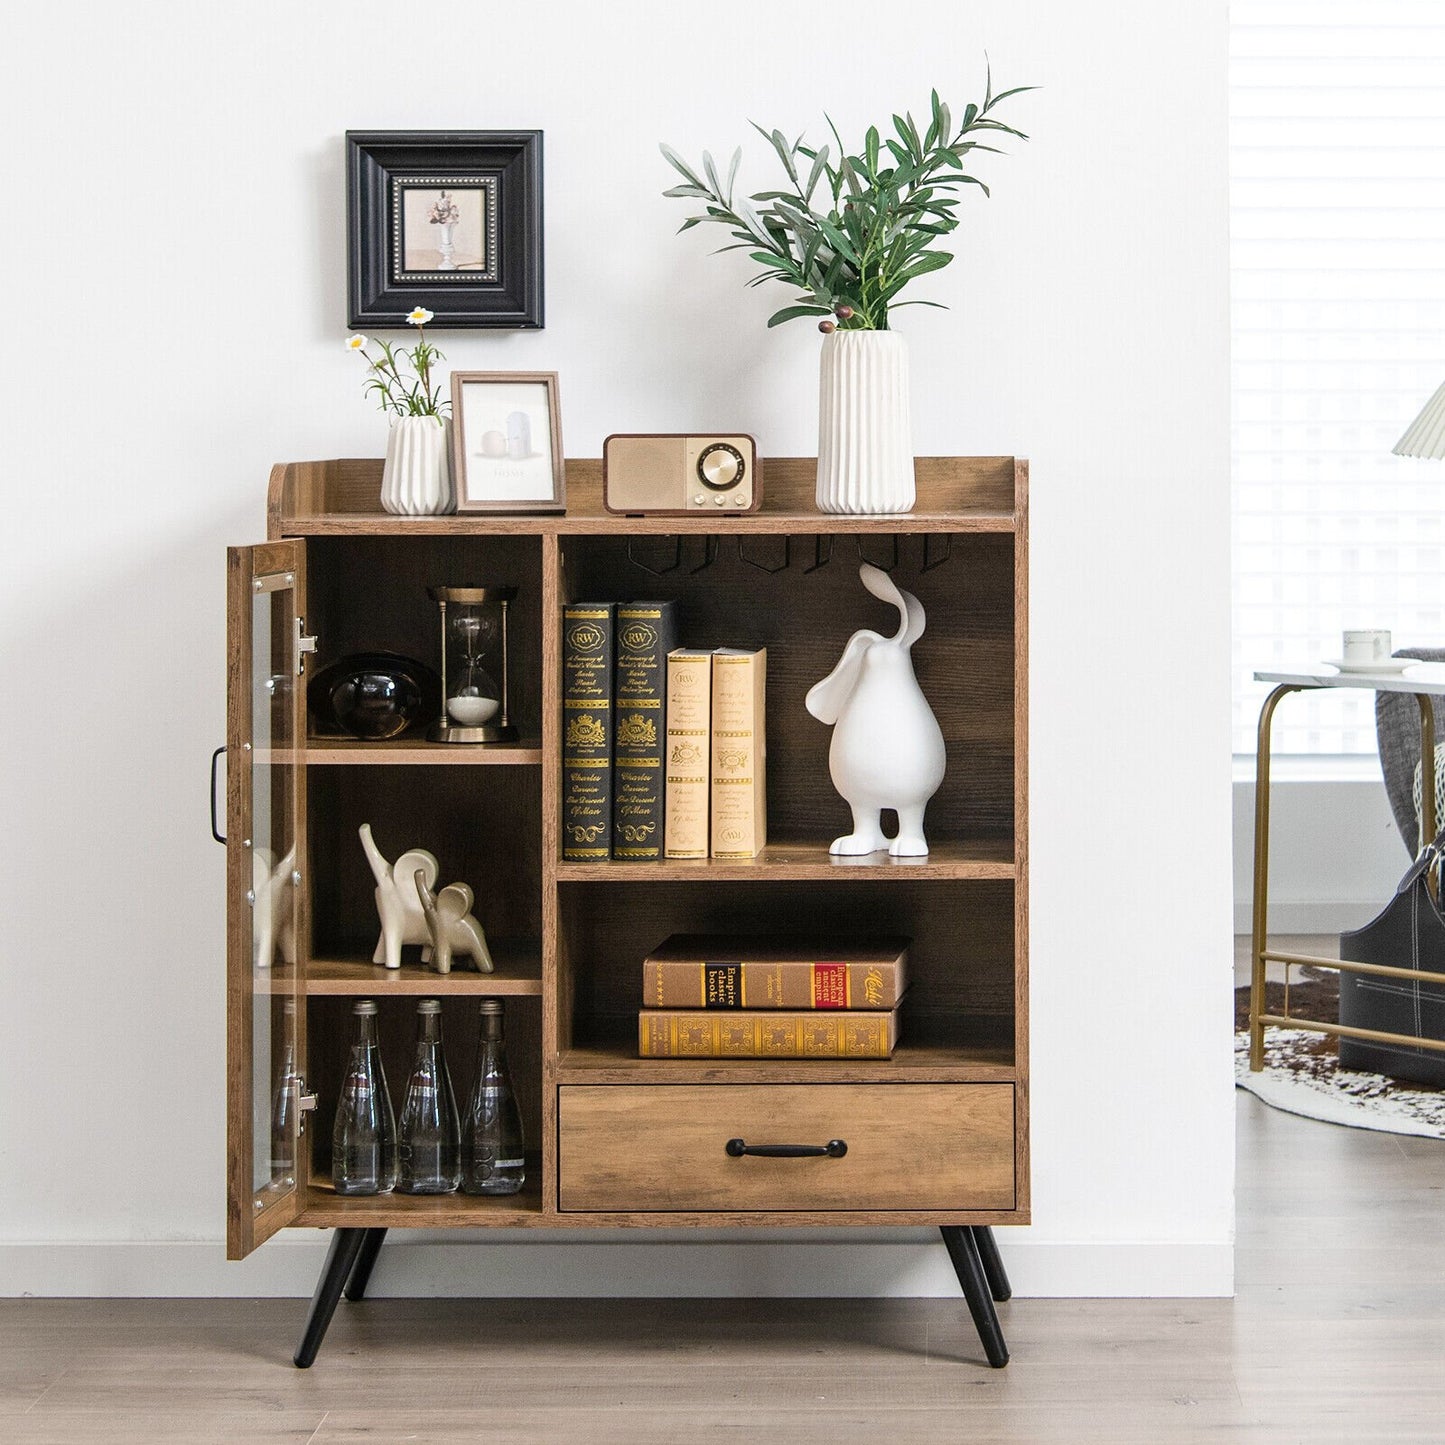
507 442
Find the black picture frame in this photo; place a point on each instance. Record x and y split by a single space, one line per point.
499 176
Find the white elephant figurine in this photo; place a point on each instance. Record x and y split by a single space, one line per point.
397 903
451 925
273 922
887 749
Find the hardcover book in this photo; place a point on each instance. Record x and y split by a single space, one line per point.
714 971
739 753
761 1034
685 765
646 633
587 730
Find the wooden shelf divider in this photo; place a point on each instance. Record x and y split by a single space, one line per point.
518 972
418 752
809 862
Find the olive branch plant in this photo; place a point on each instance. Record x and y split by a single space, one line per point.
878 220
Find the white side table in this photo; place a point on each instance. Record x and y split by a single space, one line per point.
1425 680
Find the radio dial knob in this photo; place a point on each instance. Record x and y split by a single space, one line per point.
720 466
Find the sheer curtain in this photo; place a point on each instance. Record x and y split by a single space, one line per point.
1338 261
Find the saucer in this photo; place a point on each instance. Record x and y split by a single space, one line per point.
1385 666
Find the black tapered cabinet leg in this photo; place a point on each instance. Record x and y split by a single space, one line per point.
993 1270
340 1261
963 1251
371 1247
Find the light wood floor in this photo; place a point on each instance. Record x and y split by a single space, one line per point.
1337 1334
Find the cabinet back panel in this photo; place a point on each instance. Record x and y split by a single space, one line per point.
369 594
964 661
960 964
483 825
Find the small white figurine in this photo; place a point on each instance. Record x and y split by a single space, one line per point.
273 924
452 928
887 749
403 919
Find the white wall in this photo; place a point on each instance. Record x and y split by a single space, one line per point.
1335 855
175 319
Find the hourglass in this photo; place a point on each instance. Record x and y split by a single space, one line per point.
474 656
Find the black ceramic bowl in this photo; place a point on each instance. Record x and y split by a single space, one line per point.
373 696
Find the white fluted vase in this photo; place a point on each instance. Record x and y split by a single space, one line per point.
865 446
417 478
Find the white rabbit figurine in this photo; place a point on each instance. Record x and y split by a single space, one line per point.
887 749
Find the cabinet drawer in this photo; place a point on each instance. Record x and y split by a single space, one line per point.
663 1147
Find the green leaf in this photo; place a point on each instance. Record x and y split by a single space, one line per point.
820 164
792 313
693 191
677 162
733 173
711 169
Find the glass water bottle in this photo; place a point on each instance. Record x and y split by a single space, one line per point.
363 1143
492 1153
283 1108
429 1146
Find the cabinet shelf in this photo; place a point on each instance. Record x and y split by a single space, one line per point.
324 1208
518 971
418 752
810 862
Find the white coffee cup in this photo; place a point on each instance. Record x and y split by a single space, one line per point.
1369 644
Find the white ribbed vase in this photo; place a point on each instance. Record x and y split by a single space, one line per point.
417 478
865 447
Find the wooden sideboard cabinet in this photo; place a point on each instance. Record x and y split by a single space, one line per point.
937 1135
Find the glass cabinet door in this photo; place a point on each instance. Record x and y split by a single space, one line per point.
266 924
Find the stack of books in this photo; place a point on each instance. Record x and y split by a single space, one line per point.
663 748
715 997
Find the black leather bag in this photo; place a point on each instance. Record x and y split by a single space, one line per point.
1409 933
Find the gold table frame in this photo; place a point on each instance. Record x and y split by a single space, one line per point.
1427 682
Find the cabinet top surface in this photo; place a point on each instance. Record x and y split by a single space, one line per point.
955 494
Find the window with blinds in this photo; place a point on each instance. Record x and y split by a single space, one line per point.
1337 151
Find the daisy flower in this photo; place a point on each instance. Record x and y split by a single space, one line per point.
420 316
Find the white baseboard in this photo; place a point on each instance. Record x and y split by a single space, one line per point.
1315 916
909 1265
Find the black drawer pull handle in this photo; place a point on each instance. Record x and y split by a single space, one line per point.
833 1149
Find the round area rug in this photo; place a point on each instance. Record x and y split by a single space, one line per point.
1302 1073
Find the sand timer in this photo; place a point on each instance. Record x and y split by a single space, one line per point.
474 665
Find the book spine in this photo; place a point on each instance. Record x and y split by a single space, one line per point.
739 794
755 984
646 633
755 1034
587 729
689 730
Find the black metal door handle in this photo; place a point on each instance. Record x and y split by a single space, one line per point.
215 831
833 1149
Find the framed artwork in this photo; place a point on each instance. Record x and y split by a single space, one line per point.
448 220
507 442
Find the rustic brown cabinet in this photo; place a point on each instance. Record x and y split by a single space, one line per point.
938 1135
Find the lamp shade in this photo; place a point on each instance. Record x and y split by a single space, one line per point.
1426 434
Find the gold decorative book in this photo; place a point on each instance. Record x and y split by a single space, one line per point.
713 971
587 728
646 633
685 764
761 1034
739 753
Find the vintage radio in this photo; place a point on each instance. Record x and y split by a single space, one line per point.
671 475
